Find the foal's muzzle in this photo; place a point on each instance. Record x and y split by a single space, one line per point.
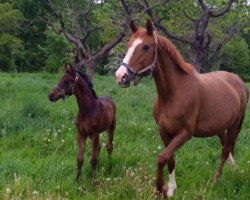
52 98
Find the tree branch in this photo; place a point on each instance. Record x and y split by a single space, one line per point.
158 24
203 5
224 11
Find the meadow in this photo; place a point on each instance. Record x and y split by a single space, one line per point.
38 148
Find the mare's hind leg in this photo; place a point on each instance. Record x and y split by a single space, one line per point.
109 144
81 140
228 148
230 159
94 155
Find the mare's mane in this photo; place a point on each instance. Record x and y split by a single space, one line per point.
89 84
177 58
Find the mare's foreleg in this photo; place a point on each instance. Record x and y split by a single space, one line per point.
94 155
81 140
167 157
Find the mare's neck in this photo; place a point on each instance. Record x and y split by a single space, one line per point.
85 99
167 75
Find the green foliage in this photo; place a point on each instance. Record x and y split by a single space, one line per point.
10 51
38 148
9 19
58 52
32 33
236 58
10 45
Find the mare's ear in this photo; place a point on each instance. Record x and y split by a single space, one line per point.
69 69
133 26
149 27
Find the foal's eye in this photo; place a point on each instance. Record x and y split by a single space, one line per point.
145 48
65 82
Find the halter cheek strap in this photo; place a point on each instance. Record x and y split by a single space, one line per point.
72 86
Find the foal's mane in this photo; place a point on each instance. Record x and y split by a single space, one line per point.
87 81
177 58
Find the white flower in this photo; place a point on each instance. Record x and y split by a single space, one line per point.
8 190
108 179
159 147
62 141
55 134
34 192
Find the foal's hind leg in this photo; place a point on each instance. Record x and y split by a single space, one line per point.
110 132
81 147
94 155
228 148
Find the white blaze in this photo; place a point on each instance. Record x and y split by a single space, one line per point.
171 184
123 70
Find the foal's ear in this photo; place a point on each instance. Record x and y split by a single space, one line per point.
149 27
133 26
69 69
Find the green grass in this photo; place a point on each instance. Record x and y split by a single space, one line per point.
38 148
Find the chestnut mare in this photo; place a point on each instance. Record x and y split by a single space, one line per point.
95 114
188 103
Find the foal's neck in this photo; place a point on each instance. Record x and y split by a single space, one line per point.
85 99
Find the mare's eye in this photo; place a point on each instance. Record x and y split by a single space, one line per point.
145 48
65 82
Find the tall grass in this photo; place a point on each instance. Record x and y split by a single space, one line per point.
38 148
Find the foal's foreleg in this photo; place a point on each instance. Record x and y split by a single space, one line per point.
81 140
94 155
167 157
109 144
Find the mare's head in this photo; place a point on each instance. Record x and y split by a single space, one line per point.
141 55
66 84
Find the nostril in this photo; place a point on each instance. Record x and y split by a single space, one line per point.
125 76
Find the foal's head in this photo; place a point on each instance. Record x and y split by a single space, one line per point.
66 84
141 55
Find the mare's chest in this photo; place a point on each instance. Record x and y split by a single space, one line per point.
174 115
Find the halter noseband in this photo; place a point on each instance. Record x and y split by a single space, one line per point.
72 86
150 67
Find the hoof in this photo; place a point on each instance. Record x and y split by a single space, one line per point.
77 179
94 182
216 178
167 192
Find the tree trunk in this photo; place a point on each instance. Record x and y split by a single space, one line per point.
91 69
196 56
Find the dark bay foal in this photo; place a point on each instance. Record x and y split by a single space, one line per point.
95 114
